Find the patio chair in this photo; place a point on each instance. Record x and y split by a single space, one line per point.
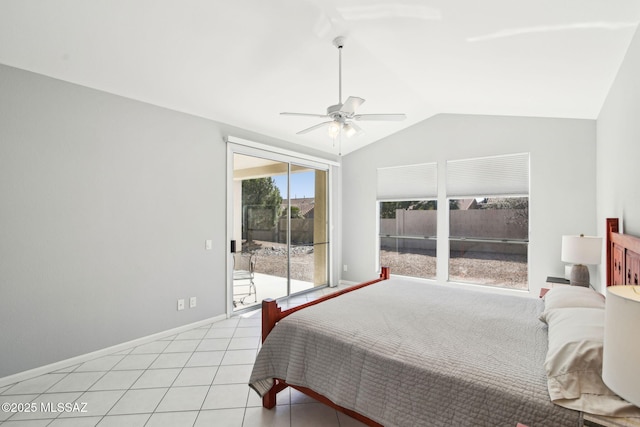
243 274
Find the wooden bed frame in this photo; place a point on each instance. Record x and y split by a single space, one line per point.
272 314
623 256
622 267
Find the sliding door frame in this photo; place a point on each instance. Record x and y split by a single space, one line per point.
255 149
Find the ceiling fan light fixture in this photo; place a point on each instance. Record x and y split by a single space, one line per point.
341 115
349 130
334 129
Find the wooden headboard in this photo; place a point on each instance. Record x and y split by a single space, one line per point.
623 256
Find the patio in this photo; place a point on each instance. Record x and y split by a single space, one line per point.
269 286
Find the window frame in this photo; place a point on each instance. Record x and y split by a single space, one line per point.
486 240
416 237
512 168
391 186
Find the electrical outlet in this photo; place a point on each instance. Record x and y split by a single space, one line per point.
180 304
208 244
192 302
344 267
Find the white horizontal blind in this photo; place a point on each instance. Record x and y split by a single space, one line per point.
489 176
408 182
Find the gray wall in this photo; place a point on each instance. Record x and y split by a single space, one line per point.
618 149
105 206
562 191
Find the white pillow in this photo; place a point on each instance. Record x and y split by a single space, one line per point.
572 296
574 363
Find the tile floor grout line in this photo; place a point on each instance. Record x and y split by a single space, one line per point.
82 392
178 375
172 383
38 394
129 388
195 421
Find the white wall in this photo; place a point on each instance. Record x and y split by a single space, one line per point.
618 149
562 193
105 206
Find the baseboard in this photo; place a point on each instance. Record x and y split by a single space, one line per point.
56 366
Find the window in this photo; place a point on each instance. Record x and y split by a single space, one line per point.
488 200
489 220
408 237
407 219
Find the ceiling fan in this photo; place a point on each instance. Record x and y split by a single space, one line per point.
343 115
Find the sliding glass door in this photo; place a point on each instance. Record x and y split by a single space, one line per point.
280 229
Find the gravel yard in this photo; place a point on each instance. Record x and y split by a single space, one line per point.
271 258
505 271
500 270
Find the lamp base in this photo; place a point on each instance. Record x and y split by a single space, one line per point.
580 275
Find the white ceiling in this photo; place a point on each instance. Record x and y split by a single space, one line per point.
242 62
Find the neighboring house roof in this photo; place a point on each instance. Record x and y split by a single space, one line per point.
465 204
305 204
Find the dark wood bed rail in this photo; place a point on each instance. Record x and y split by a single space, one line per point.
623 256
272 313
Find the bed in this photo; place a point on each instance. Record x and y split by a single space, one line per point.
484 364
623 256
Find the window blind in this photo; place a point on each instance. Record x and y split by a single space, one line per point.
408 182
489 176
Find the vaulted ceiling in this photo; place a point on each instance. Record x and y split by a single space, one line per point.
242 62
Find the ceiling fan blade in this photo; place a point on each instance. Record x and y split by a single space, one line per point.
385 117
351 104
304 114
314 127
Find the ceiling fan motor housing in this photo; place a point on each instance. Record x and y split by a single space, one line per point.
334 112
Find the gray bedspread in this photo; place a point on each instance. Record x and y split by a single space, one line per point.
412 354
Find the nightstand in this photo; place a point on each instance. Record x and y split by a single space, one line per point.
602 421
554 282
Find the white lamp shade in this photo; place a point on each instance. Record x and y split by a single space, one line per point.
581 249
621 357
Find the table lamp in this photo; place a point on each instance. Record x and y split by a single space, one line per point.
621 354
580 251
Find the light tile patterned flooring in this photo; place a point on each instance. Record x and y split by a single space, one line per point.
196 378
